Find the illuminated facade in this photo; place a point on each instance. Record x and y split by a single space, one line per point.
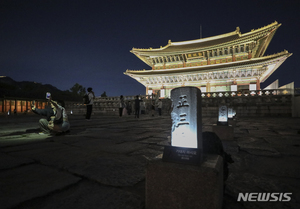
227 62
19 105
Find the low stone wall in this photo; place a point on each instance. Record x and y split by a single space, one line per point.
252 106
255 105
110 106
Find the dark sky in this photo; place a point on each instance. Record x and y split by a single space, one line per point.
63 42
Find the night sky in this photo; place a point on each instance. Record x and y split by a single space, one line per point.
63 42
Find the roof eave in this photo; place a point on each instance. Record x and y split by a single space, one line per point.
202 68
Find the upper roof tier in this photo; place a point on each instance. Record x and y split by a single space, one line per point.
260 38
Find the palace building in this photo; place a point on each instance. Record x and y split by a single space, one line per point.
227 62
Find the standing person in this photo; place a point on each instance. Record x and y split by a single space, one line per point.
159 106
121 105
137 106
89 104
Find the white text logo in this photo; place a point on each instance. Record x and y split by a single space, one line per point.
264 197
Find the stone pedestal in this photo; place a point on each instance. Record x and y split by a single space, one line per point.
224 132
181 186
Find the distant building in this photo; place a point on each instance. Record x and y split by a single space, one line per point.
19 105
227 62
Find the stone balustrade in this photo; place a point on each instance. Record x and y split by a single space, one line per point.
272 102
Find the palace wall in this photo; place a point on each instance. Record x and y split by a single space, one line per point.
280 102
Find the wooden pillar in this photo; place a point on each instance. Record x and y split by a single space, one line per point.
208 87
249 54
184 60
208 57
233 53
257 84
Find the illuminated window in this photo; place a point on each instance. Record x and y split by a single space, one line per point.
252 87
233 87
162 93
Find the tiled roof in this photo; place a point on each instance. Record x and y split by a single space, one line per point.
188 46
253 61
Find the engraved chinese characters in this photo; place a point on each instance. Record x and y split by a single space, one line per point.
186 117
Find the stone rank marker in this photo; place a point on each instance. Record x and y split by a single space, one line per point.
186 133
223 115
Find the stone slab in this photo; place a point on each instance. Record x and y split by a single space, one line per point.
22 138
108 169
7 161
122 148
259 149
224 132
90 196
171 185
112 170
31 181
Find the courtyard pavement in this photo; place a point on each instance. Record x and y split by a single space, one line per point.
101 163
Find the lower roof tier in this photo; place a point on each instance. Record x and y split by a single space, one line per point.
255 68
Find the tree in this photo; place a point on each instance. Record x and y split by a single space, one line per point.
104 94
78 89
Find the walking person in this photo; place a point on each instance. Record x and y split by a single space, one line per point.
159 106
89 103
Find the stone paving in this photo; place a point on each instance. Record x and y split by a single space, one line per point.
101 163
